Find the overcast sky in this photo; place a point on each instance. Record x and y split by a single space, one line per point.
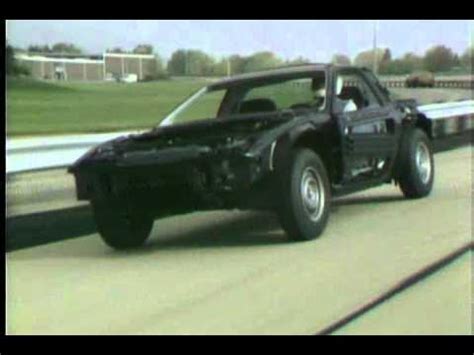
313 39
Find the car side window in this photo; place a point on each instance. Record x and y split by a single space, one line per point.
353 94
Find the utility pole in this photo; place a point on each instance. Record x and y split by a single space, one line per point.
185 62
375 64
228 66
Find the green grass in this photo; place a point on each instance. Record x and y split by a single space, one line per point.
205 107
36 107
39 107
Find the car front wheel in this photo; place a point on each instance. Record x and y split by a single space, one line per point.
120 229
304 201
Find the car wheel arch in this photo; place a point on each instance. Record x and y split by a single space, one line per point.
315 140
423 123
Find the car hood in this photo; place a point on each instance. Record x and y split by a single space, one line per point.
179 142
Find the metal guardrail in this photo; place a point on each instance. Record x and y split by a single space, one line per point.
393 83
447 109
453 84
28 154
450 118
47 152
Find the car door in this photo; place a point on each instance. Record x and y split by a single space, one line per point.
366 124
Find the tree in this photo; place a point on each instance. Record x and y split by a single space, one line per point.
177 62
160 70
143 49
221 68
341 59
260 61
116 50
409 63
384 61
298 61
366 59
199 63
19 50
467 58
237 64
35 48
190 62
395 67
12 66
439 58
64 47
10 59
413 62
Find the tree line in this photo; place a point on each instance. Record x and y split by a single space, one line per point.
436 59
193 62
198 63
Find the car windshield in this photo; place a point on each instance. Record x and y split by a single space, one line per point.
302 92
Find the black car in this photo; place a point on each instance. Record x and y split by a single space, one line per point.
285 140
420 79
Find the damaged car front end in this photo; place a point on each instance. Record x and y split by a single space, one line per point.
199 166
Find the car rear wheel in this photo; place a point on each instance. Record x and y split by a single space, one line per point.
416 164
303 205
120 229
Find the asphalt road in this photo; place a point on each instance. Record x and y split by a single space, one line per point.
235 273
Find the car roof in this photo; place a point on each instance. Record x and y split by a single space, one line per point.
269 74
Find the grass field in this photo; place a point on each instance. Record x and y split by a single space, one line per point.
38 108
35 107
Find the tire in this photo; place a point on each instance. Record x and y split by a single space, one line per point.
415 164
121 230
303 218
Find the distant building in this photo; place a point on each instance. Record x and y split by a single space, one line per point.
88 68
121 64
63 67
